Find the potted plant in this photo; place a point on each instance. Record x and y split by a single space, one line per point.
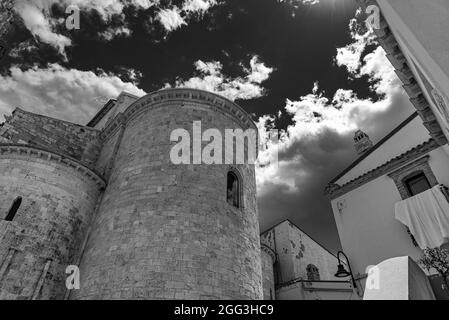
437 259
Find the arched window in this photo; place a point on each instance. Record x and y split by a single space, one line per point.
313 274
13 210
233 191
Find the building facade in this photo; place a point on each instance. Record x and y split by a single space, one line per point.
107 198
398 173
414 36
296 267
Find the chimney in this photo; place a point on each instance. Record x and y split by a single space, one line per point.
362 142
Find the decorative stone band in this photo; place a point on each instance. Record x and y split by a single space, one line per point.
333 191
40 283
420 165
394 53
6 262
160 98
41 153
269 251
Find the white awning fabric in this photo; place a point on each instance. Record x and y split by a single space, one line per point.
427 217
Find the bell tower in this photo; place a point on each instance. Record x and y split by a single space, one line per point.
362 142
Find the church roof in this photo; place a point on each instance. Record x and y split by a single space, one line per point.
334 191
301 230
375 147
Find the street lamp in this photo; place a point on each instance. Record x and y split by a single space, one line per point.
342 272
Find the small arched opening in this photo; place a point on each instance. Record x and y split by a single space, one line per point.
14 208
234 190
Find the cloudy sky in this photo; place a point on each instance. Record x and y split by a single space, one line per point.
306 67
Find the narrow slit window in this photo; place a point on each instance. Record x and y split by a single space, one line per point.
233 190
14 208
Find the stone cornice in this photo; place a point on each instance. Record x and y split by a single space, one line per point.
159 98
395 174
334 190
48 155
269 251
394 53
103 111
51 119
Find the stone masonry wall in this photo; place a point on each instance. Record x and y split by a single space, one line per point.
79 142
267 239
166 231
296 250
107 153
268 276
49 227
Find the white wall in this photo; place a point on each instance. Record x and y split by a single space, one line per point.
399 279
296 250
368 231
422 30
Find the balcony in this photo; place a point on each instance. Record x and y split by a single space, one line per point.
300 289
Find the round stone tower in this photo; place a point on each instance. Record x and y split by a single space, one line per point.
47 202
174 231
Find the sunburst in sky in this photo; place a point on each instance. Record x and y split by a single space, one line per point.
327 8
